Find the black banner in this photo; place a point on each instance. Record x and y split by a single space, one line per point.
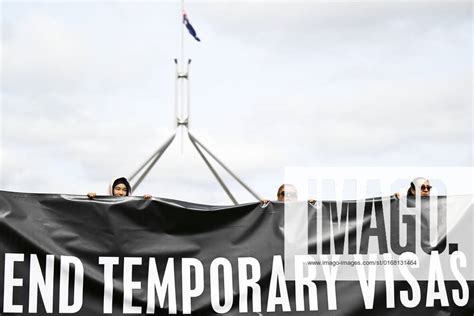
63 254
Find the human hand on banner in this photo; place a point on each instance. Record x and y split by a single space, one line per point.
147 197
91 195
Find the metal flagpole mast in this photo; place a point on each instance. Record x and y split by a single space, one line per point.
214 172
153 159
180 70
196 142
182 80
182 31
182 115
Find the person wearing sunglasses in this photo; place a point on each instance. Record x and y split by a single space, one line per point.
419 186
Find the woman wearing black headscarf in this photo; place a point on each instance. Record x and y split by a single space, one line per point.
119 187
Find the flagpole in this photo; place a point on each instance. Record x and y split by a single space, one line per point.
182 114
182 34
180 63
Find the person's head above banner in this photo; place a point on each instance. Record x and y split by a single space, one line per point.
287 193
419 186
120 187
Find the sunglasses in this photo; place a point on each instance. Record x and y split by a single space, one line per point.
424 187
287 194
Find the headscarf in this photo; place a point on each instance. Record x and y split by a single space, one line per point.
415 184
117 181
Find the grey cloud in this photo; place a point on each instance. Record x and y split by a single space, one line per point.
271 85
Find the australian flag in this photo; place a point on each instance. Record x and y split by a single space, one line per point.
190 28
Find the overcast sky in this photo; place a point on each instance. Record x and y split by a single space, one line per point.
87 91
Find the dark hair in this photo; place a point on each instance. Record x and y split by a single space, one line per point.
123 181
